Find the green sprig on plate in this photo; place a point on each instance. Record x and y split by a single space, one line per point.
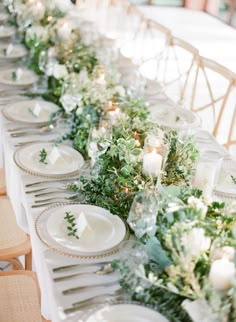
43 156
70 218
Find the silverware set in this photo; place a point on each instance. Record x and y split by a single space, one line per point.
25 131
100 268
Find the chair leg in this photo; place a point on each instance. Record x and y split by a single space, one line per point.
16 264
28 261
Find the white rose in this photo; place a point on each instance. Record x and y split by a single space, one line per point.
62 5
68 102
196 242
59 71
120 90
225 251
38 31
198 204
221 274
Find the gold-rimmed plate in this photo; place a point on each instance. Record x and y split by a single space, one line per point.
25 111
125 311
6 32
226 185
107 231
68 163
14 53
27 77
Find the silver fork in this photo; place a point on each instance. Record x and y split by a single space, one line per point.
73 197
81 288
79 199
96 300
106 269
43 130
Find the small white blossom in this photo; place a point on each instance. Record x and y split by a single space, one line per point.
197 204
195 242
59 71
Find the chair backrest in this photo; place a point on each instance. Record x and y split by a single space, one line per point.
231 140
213 97
175 67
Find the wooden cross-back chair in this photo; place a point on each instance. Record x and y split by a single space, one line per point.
231 139
175 67
213 98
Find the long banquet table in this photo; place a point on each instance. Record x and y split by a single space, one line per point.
53 302
44 260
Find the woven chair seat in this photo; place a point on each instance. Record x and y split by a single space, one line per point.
10 234
19 297
13 241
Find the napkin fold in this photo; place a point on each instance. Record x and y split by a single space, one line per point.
83 226
55 156
36 110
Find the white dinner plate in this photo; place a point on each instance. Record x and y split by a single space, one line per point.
107 230
106 233
3 17
125 312
225 187
69 162
16 52
28 77
174 117
6 32
23 111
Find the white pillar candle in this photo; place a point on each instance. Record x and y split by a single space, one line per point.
114 115
152 163
64 30
205 178
221 274
38 9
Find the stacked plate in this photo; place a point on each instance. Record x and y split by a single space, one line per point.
125 312
8 77
105 231
176 118
226 187
67 163
23 111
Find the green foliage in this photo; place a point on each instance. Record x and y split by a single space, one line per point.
181 159
72 231
43 156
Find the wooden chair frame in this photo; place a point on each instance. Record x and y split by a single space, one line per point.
203 65
28 274
10 254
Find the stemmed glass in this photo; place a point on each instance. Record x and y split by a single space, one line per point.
98 140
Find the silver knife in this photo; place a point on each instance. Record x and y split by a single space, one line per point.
81 288
68 267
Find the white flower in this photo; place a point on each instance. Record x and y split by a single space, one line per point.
79 111
83 77
221 274
198 204
62 5
120 90
225 251
68 102
59 71
52 52
36 31
195 242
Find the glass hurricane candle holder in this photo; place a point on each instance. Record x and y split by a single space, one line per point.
207 172
98 140
154 156
143 213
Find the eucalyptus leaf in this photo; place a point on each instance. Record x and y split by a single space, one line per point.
157 254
